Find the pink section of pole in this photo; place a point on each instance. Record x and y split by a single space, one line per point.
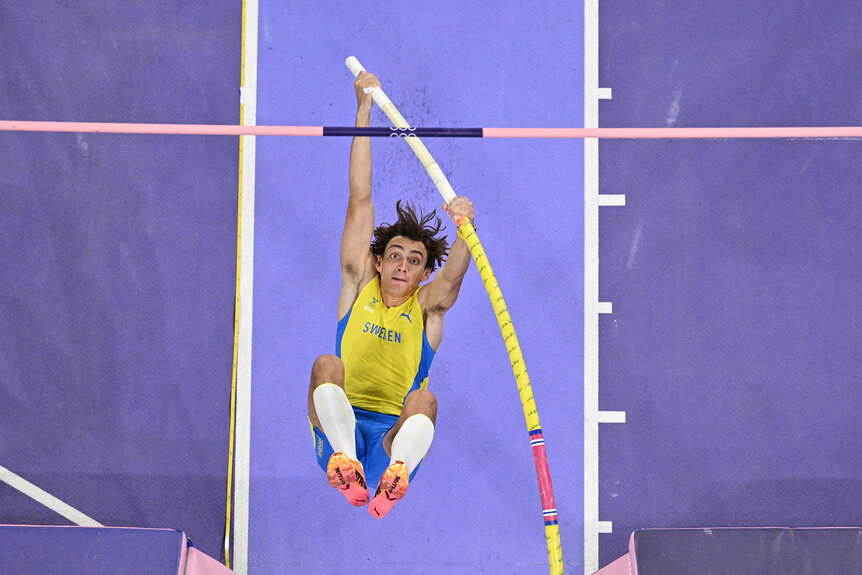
543 473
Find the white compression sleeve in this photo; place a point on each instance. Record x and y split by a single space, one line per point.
336 417
412 441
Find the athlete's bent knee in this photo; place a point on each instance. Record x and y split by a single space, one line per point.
327 369
421 400
328 360
327 363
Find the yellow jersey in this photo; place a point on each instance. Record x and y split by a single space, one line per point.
385 351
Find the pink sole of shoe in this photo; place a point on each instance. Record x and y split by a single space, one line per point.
349 478
381 505
392 487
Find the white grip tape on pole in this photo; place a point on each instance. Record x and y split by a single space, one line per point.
437 175
380 98
416 144
441 182
354 66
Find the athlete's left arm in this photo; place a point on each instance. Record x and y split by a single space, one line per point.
442 292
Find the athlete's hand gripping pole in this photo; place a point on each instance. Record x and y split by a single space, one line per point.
466 231
415 143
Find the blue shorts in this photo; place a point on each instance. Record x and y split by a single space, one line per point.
371 428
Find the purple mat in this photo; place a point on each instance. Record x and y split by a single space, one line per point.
60 550
736 551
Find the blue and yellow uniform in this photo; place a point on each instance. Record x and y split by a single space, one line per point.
386 355
385 351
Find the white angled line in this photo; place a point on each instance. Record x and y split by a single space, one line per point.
46 499
612 199
612 417
605 307
603 93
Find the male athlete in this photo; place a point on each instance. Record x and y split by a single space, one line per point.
371 413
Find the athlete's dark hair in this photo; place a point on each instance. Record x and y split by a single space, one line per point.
417 228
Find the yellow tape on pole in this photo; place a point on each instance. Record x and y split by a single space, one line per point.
531 414
525 391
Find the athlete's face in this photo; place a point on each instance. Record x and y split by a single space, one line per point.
402 266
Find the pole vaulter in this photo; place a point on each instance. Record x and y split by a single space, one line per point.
466 231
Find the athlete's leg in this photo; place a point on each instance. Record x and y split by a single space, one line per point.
410 437
406 443
326 369
419 402
330 411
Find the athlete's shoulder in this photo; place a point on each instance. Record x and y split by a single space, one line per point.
348 298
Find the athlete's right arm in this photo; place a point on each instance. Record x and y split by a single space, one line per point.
357 264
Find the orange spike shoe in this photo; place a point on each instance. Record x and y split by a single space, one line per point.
392 487
348 476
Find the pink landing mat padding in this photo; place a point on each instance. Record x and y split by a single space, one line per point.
621 566
200 564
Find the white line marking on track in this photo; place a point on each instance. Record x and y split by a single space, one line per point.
592 306
606 527
242 479
612 417
46 499
612 199
591 289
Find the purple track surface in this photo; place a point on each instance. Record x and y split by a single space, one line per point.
474 506
117 265
733 269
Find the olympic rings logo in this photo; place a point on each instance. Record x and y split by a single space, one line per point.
396 132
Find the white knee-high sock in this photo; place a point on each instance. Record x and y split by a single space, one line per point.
412 441
336 417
